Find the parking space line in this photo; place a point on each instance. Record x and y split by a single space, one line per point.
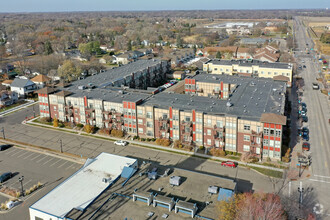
12 184
49 160
37 156
70 166
26 182
19 151
41 159
32 153
55 162
11 151
62 164
23 154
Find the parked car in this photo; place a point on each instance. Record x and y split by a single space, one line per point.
315 86
303 130
4 147
229 164
305 136
304 118
302 113
121 143
5 176
306 146
304 66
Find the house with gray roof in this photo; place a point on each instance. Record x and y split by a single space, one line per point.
23 87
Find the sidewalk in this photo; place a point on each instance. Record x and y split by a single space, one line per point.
149 145
30 102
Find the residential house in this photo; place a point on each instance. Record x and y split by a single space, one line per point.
41 81
23 87
7 98
124 58
268 53
7 82
244 53
228 52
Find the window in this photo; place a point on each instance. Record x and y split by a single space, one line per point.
246 137
164 116
278 133
175 117
140 121
278 144
215 69
265 152
209 141
246 148
269 73
271 143
262 72
258 150
149 124
140 130
247 127
219 124
258 129
198 131
150 133
277 154
198 120
258 140
54 108
208 131
265 142
227 70
275 73
187 129
271 131
187 119
266 131
149 114
209 121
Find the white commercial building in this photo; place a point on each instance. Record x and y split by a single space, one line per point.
82 188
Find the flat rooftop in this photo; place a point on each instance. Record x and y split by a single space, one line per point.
116 95
251 63
106 78
251 98
79 190
190 190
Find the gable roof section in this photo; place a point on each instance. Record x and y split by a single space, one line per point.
46 90
40 78
21 83
273 118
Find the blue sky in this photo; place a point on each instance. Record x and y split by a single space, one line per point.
129 5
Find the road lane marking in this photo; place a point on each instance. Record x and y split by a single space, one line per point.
55 162
322 176
49 160
62 164
321 181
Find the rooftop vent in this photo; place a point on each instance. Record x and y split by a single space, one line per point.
228 104
244 106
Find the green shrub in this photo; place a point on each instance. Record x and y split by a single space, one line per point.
143 139
45 119
135 137
80 125
235 153
201 147
153 139
88 128
61 125
148 139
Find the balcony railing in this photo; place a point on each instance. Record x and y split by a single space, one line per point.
186 123
89 109
254 133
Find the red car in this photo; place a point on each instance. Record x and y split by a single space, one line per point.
229 164
306 146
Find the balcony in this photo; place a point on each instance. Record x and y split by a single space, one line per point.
68 106
254 133
89 109
69 113
166 129
254 144
216 128
186 123
90 116
164 120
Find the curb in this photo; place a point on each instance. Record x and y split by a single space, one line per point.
150 146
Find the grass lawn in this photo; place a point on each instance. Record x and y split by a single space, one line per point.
272 173
12 106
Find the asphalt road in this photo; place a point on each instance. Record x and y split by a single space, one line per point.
318 116
35 167
90 147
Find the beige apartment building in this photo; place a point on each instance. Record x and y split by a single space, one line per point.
277 71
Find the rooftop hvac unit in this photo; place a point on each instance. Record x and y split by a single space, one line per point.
213 189
175 180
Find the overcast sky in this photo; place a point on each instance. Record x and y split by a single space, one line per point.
132 5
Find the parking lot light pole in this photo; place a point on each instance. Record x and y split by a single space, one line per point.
61 146
20 179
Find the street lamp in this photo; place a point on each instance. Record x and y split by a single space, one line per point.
61 145
20 179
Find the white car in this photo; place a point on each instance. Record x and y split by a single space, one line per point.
121 143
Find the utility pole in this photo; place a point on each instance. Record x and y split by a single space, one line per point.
301 191
61 146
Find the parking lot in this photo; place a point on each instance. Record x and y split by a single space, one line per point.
49 170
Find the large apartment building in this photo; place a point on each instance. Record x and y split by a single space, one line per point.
277 71
250 119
